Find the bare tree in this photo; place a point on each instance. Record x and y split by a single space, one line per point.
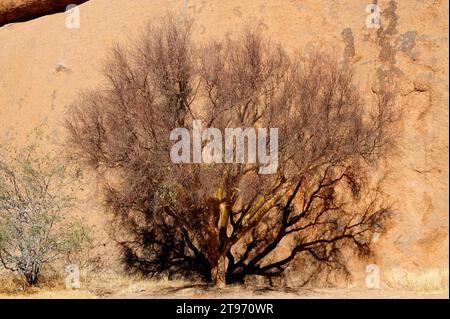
226 221
33 229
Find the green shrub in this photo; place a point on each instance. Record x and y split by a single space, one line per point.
34 229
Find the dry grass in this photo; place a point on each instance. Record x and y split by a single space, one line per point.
51 286
101 284
425 280
42 293
110 283
398 283
11 284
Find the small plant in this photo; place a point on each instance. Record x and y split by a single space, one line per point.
33 228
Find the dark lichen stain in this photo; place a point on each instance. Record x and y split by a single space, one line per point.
386 36
407 41
349 41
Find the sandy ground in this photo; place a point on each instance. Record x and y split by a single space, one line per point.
191 290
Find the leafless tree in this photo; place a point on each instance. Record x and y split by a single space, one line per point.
226 221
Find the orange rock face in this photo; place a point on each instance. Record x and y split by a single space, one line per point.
44 65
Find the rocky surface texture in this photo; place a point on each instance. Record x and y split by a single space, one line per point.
23 10
43 65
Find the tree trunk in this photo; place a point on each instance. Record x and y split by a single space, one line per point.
218 272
